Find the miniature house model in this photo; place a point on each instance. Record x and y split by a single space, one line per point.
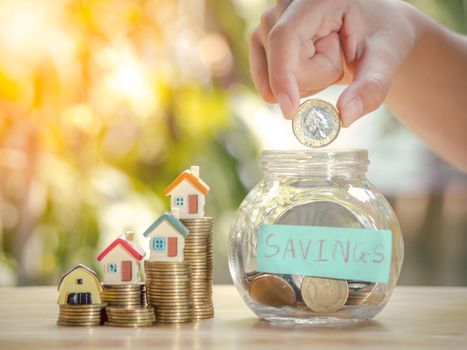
79 286
167 238
187 193
121 261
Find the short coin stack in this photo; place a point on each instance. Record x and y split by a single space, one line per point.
198 252
134 317
363 293
169 290
124 295
80 315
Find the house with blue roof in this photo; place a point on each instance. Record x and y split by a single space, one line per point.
167 238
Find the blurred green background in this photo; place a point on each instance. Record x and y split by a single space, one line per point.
103 103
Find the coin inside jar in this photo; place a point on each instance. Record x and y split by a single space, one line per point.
316 123
324 294
271 290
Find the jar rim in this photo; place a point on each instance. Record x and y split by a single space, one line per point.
315 161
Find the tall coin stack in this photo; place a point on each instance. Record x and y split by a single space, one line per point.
199 253
80 315
169 290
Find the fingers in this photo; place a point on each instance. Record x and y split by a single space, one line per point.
323 69
258 49
259 68
302 22
372 80
283 52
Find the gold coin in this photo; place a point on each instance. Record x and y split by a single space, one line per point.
171 303
165 264
122 286
175 319
186 318
139 315
204 218
316 123
80 312
202 317
324 294
172 307
163 298
272 290
169 296
136 309
170 282
168 272
120 292
174 310
129 324
184 289
122 298
78 320
132 319
83 324
83 306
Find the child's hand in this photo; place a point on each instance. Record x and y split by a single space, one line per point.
303 46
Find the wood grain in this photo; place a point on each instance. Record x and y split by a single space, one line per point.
415 318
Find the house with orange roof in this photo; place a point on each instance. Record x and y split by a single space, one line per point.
187 193
121 261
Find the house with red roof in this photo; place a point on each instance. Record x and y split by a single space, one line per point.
121 261
187 193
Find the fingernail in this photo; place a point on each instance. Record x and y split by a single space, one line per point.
285 103
352 111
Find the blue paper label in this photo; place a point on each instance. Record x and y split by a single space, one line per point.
332 252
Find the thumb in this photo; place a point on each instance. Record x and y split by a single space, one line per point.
374 74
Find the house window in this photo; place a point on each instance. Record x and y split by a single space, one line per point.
79 281
179 201
112 267
158 244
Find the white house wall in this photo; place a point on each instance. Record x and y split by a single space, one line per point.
165 229
117 255
184 189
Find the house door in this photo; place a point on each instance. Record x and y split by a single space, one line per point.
79 299
126 271
192 204
172 246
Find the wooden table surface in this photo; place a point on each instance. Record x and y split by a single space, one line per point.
415 318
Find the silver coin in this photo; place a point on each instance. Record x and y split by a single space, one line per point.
316 123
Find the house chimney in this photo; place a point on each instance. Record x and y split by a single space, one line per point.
176 212
195 170
129 236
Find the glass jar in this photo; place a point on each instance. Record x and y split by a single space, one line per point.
315 217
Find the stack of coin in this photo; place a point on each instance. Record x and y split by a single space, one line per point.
198 252
81 315
169 290
361 293
124 295
134 317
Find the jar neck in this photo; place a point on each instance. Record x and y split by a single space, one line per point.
347 163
